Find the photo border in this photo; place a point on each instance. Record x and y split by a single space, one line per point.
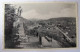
77 35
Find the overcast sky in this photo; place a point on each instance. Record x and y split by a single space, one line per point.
47 10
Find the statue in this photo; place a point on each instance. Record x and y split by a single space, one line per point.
19 11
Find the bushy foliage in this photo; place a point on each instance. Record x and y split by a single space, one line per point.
9 20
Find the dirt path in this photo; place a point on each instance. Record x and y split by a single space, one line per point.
32 43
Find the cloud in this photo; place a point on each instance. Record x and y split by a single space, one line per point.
47 10
31 14
66 12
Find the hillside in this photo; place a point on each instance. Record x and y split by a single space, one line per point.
65 24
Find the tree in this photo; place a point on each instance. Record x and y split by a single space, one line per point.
9 20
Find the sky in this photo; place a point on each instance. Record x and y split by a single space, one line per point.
47 10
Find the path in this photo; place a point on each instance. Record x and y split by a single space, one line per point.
33 43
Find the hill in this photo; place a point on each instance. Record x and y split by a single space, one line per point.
46 28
